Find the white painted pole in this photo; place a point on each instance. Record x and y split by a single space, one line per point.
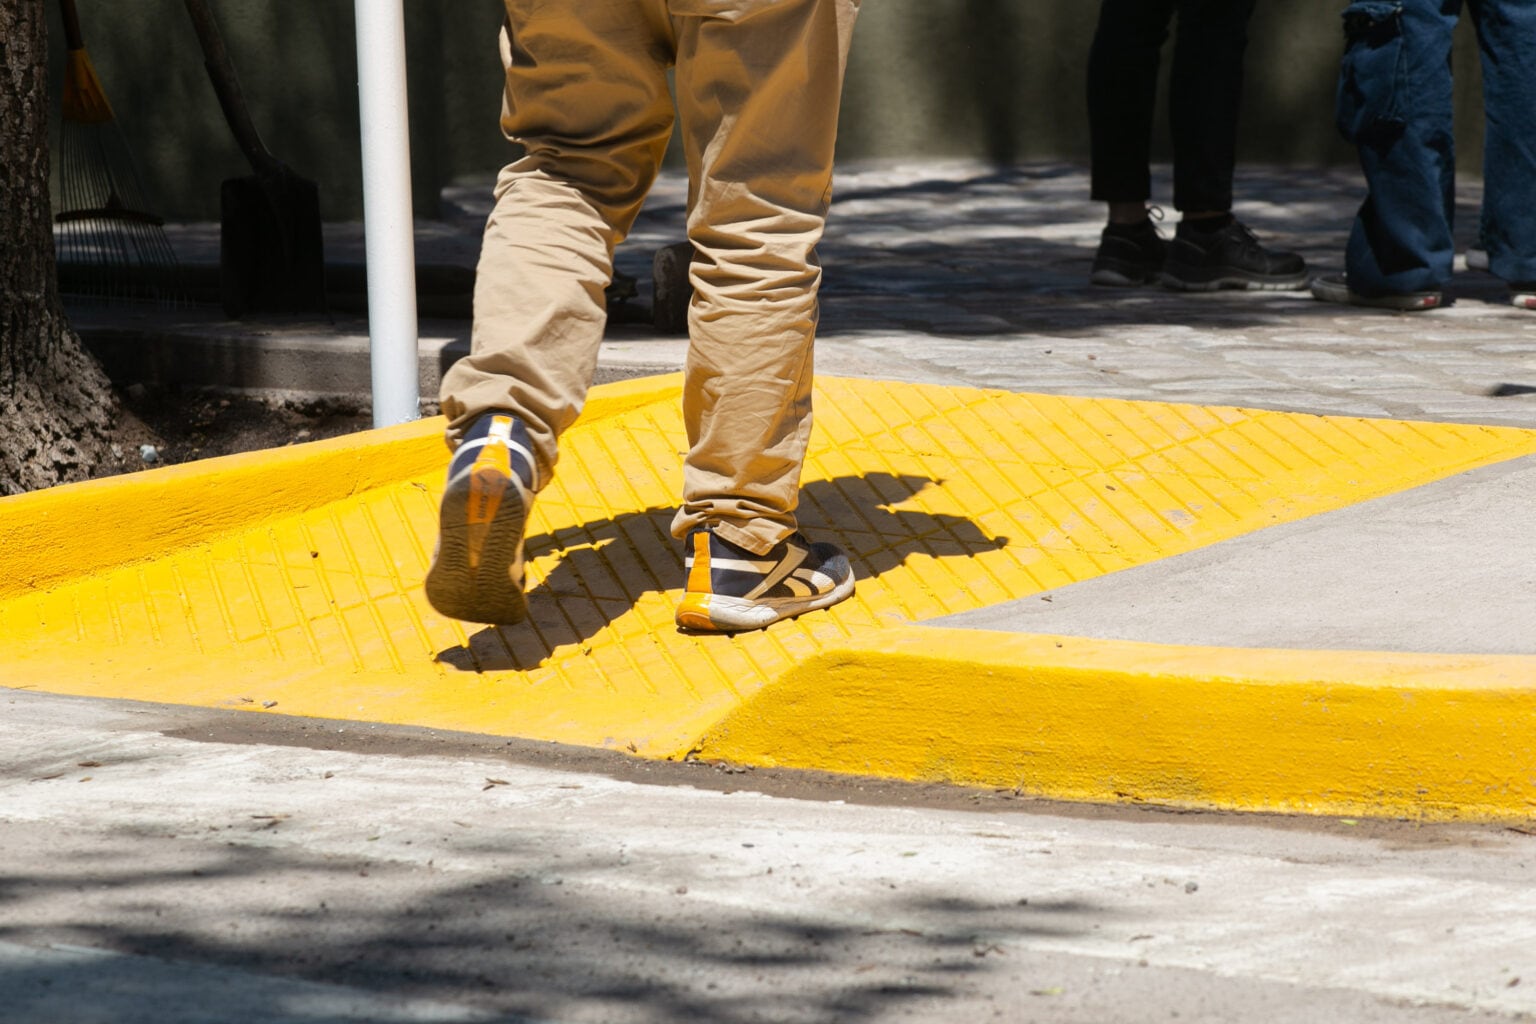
387 215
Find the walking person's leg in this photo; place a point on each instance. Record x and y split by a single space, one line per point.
758 87
586 94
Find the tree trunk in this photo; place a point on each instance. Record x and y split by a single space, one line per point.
56 405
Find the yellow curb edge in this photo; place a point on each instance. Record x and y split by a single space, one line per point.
151 513
1421 736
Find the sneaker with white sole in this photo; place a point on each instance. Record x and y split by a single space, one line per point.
730 589
1523 294
1335 288
477 569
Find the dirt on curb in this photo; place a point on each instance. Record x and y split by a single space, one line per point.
167 427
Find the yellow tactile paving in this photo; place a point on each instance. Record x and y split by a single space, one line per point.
291 580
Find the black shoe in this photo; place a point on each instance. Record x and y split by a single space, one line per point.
729 589
1229 257
477 569
1129 255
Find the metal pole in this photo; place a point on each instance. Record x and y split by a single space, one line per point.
387 215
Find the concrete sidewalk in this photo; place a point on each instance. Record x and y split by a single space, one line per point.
1328 621
1199 475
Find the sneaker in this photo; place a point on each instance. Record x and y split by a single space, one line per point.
1336 289
1229 257
1129 255
1477 258
1523 294
730 589
477 569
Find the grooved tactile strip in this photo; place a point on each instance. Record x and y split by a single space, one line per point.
947 499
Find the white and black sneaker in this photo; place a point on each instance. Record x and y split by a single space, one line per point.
729 589
477 569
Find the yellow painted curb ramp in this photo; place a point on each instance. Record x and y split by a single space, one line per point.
289 581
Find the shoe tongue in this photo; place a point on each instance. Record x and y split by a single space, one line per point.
501 429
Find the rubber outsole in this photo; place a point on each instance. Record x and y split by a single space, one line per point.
1336 291
718 613
1235 282
491 590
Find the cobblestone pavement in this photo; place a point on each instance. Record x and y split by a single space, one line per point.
958 273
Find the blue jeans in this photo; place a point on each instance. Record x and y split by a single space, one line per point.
1394 103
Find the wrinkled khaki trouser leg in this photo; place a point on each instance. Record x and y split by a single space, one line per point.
757 89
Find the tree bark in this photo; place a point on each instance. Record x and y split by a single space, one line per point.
56 405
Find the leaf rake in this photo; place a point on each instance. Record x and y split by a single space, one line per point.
110 248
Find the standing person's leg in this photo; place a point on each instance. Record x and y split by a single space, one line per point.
1211 249
586 94
758 89
1205 91
1122 94
1123 63
1395 104
1506 33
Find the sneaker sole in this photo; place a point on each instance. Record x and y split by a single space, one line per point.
1524 300
1236 282
485 592
1410 303
718 613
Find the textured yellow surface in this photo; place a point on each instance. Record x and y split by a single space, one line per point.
291 580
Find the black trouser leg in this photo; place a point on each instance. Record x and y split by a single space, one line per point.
1204 99
1122 91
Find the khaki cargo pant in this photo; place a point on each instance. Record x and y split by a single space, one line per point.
758 84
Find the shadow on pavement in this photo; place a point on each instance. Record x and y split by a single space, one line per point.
576 600
528 935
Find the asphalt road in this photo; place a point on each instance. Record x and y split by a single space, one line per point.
174 865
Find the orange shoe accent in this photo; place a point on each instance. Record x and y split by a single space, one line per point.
489 479
698 576
693 611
